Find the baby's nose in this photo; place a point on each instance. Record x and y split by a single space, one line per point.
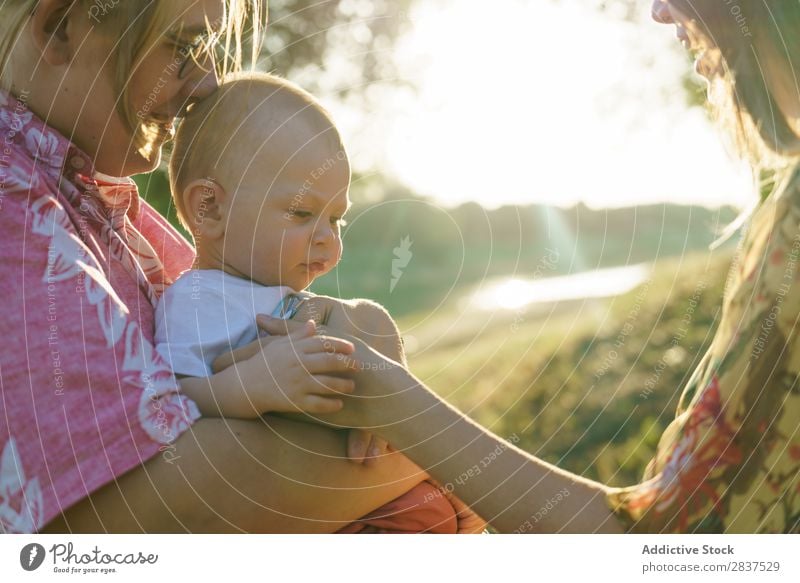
323 236
324 233
661 13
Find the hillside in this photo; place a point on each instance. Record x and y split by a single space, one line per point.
587 385
441 252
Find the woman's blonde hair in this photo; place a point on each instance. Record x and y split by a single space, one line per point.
753 35
137 25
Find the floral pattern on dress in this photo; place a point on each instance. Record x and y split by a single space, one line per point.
730 461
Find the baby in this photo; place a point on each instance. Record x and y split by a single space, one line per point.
261 179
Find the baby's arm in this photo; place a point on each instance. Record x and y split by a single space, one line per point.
363 319
290 374
196 321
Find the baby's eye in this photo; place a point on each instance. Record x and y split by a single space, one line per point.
301 214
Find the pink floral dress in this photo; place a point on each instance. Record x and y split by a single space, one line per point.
85 397
730 461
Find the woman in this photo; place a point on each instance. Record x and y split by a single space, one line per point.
730 461
93 431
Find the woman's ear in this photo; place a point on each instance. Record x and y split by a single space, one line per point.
52 29
204 204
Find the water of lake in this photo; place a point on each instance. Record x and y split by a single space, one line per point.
514 293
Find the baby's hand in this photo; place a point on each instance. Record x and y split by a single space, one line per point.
302 368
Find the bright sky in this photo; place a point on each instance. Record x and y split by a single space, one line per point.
522 102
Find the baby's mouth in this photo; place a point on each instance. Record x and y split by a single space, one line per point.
315 267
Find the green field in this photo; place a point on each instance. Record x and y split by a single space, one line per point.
587 385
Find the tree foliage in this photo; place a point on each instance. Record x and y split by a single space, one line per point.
356 37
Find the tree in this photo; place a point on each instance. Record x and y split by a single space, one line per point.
332 46
304 38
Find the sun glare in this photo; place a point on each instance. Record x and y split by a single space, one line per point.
547 102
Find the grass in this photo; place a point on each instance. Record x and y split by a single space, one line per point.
588 385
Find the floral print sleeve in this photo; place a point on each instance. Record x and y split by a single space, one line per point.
85 397
730 461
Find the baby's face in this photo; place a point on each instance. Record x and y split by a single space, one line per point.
284 223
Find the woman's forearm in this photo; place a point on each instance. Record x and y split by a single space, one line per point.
219 395
274 476
514 491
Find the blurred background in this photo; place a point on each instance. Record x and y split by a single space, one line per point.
537 186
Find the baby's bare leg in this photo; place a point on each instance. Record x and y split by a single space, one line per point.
363 319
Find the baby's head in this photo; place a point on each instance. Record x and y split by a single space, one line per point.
260 177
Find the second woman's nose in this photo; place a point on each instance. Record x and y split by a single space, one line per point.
202 85
661 13
196 88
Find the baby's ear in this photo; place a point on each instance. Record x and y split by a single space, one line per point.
204 204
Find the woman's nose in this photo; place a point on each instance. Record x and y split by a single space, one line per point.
202 85
661 13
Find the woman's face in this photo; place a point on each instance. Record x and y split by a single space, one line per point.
169 78
80 99
708 61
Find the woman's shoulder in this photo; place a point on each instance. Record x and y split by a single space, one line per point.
34 154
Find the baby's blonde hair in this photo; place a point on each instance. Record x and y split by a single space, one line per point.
136 25
246 108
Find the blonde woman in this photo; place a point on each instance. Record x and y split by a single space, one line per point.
730 461
94 434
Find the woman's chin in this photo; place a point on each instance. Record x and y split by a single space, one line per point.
135 161
145 160
708 65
